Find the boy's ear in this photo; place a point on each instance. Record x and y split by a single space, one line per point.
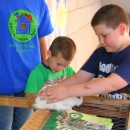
122 28
49 53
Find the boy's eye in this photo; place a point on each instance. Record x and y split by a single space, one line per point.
104 35
58 64
61 65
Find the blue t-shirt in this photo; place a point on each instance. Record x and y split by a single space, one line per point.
22 23
102 64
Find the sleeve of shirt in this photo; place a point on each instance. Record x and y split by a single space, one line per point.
71 71
123 69
34 82
92 63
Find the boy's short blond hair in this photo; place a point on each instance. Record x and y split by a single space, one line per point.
111 15
65 46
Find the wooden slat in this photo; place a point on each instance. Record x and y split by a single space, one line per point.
16 101
101 112
37 120
28 102
107 101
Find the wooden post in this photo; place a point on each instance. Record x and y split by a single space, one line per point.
37 120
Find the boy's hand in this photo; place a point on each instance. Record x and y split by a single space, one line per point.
54 93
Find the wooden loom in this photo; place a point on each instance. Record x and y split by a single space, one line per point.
91 105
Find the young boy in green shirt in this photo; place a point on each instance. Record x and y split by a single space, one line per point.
56 68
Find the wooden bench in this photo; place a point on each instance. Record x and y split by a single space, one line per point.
92 105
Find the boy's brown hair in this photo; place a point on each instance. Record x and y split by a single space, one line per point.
111 15
65 46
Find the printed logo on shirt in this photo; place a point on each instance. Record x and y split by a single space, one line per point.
22 25
116 95
55 81
106 68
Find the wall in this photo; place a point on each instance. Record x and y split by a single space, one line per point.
125 5
77 26
58 12
80 13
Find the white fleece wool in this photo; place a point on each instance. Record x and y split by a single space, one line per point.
62 105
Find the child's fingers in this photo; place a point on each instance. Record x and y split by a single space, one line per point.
49 99
44 92
52 101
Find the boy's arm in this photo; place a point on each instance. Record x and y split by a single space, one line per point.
43 48
80 77
94 87
98 86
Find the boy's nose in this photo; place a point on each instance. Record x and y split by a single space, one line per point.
101 41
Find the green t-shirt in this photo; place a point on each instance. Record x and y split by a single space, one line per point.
42 74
